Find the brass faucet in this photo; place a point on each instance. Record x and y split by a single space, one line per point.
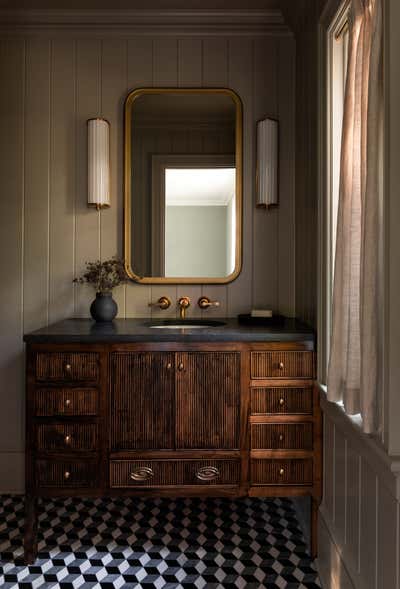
183 304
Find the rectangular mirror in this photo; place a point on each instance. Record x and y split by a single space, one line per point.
183 185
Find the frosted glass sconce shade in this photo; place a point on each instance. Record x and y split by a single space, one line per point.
267 163
98 163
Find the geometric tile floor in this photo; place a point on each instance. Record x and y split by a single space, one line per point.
157 543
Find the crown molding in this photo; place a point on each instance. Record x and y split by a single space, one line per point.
143 22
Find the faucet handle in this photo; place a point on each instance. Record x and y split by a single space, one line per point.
205 303
184 302
162 303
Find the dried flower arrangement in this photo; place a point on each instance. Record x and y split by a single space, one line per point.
104 276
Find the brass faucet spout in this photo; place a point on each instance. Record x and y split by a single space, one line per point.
183 304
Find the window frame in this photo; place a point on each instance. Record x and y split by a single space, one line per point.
333 23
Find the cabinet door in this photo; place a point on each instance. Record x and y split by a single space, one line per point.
207 400
142 400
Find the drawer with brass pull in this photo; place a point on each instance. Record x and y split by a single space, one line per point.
282 365
51 402
67 437
282 436
281 471
160 473
67 366
61 474
281 400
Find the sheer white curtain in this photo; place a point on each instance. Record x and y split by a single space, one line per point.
353 365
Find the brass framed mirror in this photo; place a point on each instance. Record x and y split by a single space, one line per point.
183 185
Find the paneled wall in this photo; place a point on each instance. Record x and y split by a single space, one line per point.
303 18
359 524
50 86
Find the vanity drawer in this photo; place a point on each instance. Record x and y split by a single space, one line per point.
67 437
67 366
282 436
281 400
160 473
66 474
282 472
282 365
64 401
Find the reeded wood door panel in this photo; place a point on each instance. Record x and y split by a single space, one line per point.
207 400
142 400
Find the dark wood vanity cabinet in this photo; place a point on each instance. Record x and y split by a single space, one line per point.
171 418
174 401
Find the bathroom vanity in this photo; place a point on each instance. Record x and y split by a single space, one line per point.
133 409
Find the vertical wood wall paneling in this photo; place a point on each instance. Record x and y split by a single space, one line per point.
303 18
190 65
165 73
340 491
87 223
265 238
36 205
165 62
62 180
353 507
139 74
241 80
306 167
215 74
368 527
113 83
286 233
387 539
12 105
329 465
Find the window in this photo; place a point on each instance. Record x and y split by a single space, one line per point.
338 43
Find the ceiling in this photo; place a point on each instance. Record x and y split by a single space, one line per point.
139 4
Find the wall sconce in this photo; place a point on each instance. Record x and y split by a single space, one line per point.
98 163
267 163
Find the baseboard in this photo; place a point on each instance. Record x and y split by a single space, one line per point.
12 476
331 568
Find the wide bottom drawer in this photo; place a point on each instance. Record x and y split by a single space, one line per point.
282 471
66 473
161 473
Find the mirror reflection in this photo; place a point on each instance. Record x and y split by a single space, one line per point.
183 196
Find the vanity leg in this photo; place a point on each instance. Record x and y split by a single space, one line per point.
314 527
30 534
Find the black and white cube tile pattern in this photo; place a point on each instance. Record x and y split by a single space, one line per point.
160 543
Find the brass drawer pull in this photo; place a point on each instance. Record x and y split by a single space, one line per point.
281 402
281 366
142 473
67 402
67 475
180 366
281 472
207 473
68 368
281 437
67 439
169 366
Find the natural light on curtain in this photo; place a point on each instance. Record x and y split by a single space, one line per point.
353 365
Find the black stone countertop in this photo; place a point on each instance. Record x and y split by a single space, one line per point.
138 330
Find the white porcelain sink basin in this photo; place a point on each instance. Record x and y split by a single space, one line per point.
184 324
